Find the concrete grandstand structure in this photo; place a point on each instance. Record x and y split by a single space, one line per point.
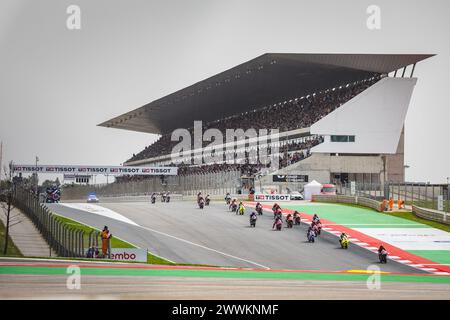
340 116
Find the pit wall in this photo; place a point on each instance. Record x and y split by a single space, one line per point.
146 198
431 214
366 202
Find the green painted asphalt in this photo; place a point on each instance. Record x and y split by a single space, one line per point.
35 270
355 217
440 256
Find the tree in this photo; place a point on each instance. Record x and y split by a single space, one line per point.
6 203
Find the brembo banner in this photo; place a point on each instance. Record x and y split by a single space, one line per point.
115 170
126 254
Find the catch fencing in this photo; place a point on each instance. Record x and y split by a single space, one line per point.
424 195
218 183
64 239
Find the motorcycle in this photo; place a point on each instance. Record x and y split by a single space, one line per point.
207 202
278 224
297 220
253 221
344 243
310 236
318 228
167 198
53 195
201 204
234 208
153 200
228 200
290 223
259 211
382 257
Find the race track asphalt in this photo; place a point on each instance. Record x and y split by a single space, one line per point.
182 233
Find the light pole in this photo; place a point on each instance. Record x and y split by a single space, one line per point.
37 179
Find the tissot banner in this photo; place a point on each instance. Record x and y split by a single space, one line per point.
115 170
272 197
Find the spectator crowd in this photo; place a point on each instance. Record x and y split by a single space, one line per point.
289 115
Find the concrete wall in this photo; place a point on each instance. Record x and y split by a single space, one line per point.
395 170
320 166
375 117
432 215
366 202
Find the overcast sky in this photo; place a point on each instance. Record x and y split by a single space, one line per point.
57 84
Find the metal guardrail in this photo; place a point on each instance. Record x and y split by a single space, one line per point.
419 194
64 240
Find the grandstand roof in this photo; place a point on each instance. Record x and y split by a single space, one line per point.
260 82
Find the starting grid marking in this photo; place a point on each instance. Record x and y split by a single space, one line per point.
327 227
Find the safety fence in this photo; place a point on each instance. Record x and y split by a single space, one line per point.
65 240
363 201
218 183
424 195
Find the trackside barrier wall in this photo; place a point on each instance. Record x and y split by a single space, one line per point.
218 183
431 214
64 240
366 202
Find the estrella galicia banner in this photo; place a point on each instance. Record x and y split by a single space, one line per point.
290 178
107 170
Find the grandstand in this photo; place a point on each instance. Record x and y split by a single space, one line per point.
340 118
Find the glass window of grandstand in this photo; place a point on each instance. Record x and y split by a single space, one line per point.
359 178
342 138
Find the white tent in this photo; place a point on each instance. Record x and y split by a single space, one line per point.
311 189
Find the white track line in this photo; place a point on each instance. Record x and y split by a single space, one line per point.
417 265
428 269
203 247
405 261
441 273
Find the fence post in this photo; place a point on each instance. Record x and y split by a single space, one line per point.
432 199
82 242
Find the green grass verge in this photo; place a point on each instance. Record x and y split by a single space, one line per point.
12 250
411 216
115 242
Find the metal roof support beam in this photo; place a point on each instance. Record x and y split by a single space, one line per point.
403 73
412 71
